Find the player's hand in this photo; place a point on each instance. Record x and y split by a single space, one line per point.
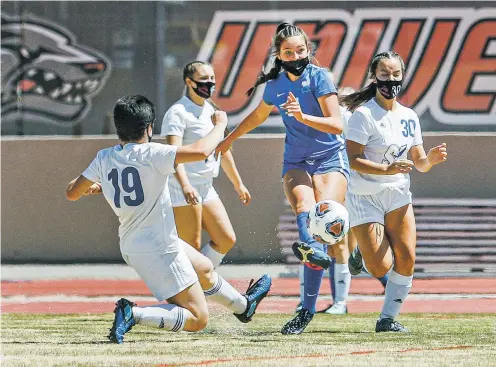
94 189
219 118
438 154
191 195
292 107
243 194
400 166
223 146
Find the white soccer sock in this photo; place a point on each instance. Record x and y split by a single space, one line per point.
342 281
224 293
301 270
164 316
214 256
397 289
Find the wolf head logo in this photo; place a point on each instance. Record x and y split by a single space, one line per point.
46 76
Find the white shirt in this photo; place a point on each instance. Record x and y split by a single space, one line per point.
387 136
134 183
345 116
185 118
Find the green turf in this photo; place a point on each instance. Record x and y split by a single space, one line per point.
80 340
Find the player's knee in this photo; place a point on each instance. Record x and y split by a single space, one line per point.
378 270
229 242
200 322
204 269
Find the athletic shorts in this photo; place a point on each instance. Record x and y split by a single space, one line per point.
165 274
373 208
205 191
338 162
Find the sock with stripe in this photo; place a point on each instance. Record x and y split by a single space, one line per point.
163 316
224 293
342 281
332 271
397 290
214 256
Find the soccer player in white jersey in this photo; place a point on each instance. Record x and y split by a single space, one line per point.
381 132
133 178
194 199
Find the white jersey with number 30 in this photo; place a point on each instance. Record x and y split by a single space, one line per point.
134 183
388 137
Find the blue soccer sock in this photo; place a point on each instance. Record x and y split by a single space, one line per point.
304 235
332 270
312 279
384 280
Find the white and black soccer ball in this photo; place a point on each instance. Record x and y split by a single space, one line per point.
328 222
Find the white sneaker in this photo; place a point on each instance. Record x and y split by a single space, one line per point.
337 309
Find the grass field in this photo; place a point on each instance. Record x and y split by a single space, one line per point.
80 340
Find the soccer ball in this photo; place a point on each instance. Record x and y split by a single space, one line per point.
328 222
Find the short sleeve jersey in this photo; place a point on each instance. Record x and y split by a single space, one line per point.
134 183
387 137
304 142
192 122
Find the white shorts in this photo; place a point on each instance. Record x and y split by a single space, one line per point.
205 190
164 274
373 208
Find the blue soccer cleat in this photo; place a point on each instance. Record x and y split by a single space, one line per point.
254 295
313 256
123 320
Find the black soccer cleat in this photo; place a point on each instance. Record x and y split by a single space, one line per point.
355 262
385 325
296 325
254 295
308 254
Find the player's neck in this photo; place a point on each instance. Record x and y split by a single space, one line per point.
387 104
292 77
196 99
143 140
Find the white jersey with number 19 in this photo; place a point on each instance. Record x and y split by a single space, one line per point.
134 183
387 137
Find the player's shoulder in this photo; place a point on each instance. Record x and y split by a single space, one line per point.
366 108
407 111
181 106
316 69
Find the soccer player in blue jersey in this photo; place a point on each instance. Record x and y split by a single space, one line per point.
315 163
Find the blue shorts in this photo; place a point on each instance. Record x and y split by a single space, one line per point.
338 162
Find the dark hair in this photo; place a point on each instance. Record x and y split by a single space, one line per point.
283 32
354 100
132 115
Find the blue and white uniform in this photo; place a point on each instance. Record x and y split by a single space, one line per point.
134 183
306 148
387 137
192 122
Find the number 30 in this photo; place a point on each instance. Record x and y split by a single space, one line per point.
409 128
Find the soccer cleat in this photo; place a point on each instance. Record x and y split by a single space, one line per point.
384 325
311 255
254 295
355 263
123 320
336 309
299 307
298 323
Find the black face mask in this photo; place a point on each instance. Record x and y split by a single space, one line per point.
204 89
296 67
389 88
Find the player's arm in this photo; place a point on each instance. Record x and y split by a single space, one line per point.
229 167
250 122
331 123
202 148
180 171
81 186
359 163
424 162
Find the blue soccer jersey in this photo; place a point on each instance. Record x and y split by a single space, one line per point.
304 142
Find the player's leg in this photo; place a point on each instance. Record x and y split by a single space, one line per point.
188 219
401 230
170 277
216 222
218 290
332 186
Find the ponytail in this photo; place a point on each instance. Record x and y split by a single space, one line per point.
354 100
263 78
